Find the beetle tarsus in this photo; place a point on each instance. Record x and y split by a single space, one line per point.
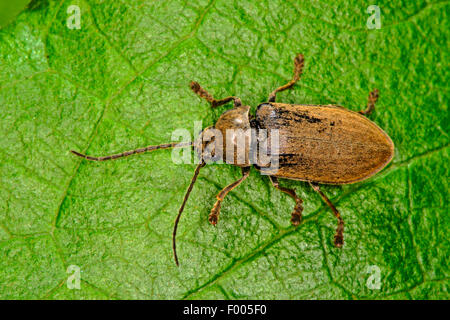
373 97
296 219
339 236
215 211
339 240
296 216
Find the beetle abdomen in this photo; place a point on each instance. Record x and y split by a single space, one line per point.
325 143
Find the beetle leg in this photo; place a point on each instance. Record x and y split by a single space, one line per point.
296 216
339 236
202 93
298 68
214 215
373 97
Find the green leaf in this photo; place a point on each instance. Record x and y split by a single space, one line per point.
121 82
10 9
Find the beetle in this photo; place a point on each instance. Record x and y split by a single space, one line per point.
318 144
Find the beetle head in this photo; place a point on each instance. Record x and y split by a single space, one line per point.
209 145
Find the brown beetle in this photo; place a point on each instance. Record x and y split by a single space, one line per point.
319 144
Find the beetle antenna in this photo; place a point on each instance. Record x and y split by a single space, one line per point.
129 153
180 211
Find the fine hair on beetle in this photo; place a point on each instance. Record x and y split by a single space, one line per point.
317 144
